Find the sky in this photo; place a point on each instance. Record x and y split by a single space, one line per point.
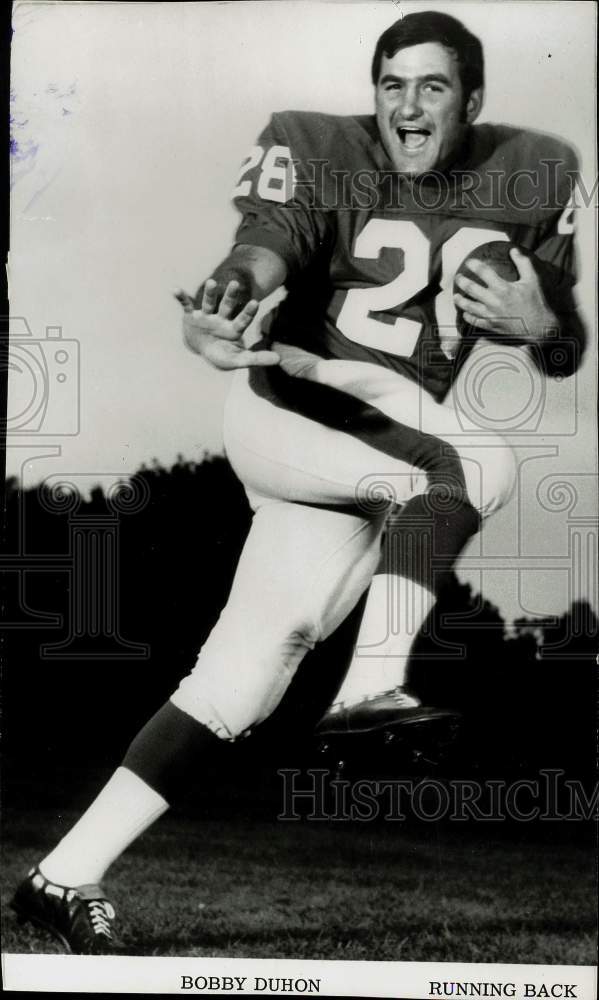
129 125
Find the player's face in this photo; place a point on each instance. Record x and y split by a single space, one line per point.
420 107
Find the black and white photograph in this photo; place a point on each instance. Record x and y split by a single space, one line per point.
300 614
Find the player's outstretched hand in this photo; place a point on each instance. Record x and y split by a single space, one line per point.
510 308
216 330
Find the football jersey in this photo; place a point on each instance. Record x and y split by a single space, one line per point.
372 254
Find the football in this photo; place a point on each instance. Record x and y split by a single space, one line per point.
556 357
497 254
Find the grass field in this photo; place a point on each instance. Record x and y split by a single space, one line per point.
260 888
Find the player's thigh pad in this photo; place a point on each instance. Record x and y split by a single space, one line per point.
301 572
282 454
434 443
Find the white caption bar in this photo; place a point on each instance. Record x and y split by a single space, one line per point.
271 977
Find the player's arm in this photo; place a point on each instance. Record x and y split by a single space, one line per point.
281 229
560 350
215 321
539 309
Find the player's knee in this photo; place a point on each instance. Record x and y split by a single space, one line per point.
497 477
233 714
230 695
190 698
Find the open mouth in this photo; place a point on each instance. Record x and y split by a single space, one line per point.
412 138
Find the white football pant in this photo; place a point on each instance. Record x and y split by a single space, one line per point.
303 568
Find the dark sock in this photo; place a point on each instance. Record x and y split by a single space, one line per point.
164 753
423 540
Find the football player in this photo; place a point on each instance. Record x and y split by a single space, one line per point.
339 415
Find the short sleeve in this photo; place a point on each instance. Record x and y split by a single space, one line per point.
277 202
557 270
556 245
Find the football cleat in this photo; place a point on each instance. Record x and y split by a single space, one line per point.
382 711
80 918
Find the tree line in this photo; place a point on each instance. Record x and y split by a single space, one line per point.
108 598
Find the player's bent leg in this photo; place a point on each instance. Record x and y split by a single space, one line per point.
291 455
424 443
301 572
403 444
421 546
463 476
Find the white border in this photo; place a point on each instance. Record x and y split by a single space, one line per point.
403 980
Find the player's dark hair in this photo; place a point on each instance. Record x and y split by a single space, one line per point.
431 26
